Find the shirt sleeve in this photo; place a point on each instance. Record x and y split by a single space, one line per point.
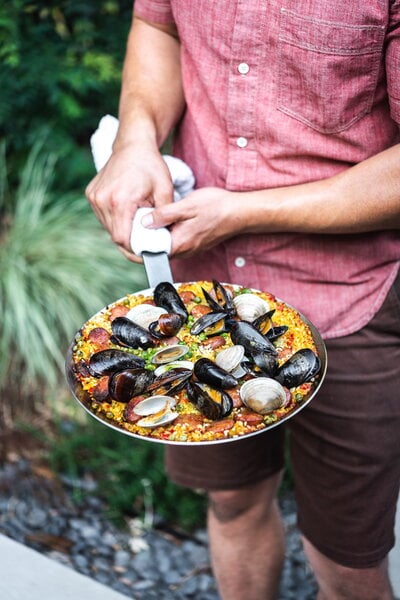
157 11
393 60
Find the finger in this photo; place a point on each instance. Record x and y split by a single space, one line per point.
130 255
167 215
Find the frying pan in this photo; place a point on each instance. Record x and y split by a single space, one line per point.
84 399
154 247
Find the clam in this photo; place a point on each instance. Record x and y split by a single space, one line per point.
153 404
230 359
184 364
156 411
144 314
169 354
250 306
263 395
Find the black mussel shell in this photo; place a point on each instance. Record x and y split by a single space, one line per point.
299 368
124 385
170 382
207 371
254 342
109 361
131 334
266 362
203 402
211 324
201 398
265 325
167 325
224 298
166 296
276 331
264 322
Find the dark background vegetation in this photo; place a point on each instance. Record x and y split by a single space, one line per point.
60 72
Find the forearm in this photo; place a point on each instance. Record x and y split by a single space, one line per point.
151 100
364 198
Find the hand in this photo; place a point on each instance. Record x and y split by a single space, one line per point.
133 177
203 219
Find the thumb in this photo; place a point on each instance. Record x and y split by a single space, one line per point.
162 216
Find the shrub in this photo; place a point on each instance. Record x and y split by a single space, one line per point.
60 68
57 267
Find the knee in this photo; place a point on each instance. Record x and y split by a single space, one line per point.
228 505
255 502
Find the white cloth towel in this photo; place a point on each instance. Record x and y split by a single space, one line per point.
101 144
142 239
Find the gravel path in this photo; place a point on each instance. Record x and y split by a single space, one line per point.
37 509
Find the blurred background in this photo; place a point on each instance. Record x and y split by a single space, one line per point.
60 73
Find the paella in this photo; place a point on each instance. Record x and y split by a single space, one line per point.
195 362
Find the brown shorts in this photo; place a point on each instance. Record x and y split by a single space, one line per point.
345 448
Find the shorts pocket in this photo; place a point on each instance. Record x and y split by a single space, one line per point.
327 72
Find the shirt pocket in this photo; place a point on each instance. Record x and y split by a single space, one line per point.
327 72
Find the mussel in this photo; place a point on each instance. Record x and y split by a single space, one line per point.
128 333
207 371
166 296
170 382
213 404
302 366
256 346
223 299
266 326
109 361
124 385
212 323
263 395
167 325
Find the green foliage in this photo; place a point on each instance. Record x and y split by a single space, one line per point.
129 472
61 66
57 267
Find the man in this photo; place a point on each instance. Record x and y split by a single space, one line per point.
289 116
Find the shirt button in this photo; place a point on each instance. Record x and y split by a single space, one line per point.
243 68
240 261
241 142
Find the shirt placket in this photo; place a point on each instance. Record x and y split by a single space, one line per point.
242 95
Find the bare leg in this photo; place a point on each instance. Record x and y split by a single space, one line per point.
247 541
343 583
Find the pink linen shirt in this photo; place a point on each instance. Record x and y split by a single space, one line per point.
282 93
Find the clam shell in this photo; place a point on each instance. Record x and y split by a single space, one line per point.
263 395
169 354
144 314
184 364
250 306
163 417
153 405
230 358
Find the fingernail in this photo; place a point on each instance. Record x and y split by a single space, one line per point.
147 220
